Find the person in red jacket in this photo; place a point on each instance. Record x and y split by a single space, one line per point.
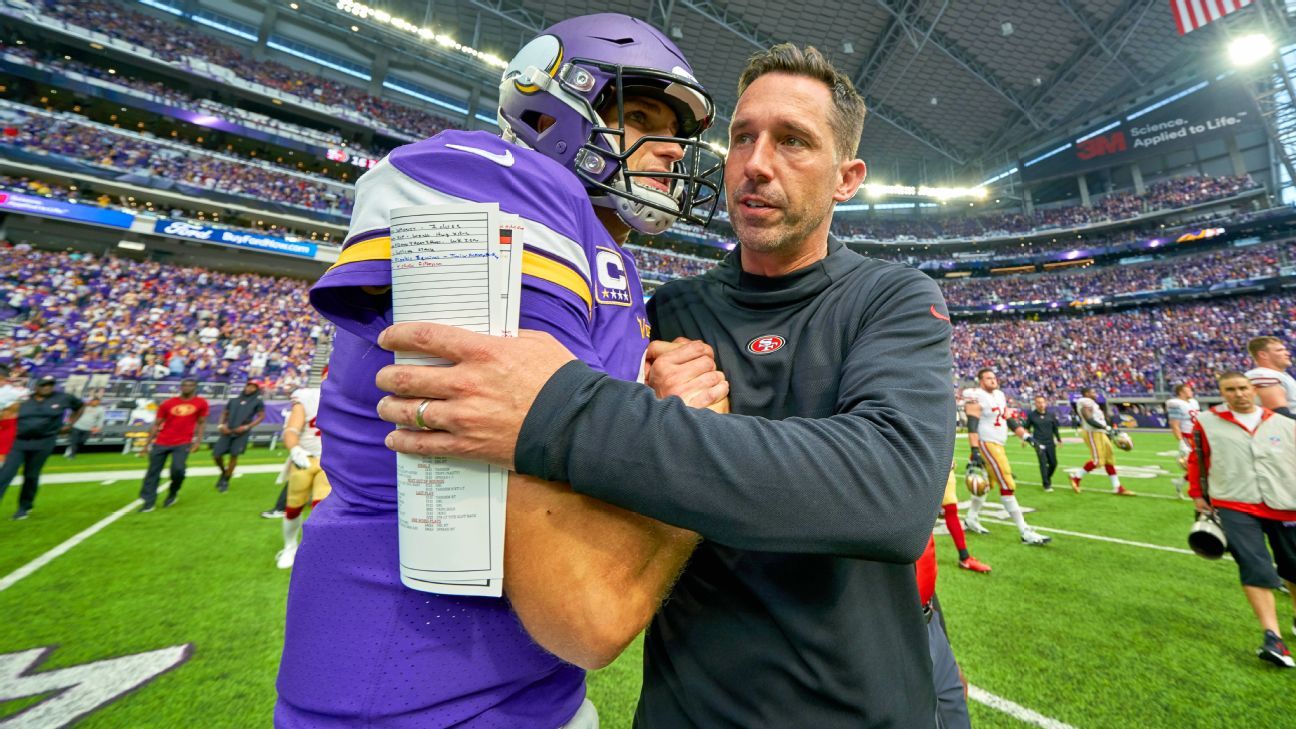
177 432
1242 468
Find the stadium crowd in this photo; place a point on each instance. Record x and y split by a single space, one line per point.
1182 271
161 93
177 43
660 265
1185 270
173 163
1166 194
75 312
1125 352
64 191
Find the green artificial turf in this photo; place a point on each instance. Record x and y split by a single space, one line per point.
1087 632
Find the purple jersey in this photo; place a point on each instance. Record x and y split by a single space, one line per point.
361 648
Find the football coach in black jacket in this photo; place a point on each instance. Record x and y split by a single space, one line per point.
814 497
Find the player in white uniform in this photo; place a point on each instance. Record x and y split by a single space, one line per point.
307 482
1276 388
1180 411
1097 435
988 425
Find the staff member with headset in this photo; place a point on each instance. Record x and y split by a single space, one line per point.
1244 461
40 420
1044 426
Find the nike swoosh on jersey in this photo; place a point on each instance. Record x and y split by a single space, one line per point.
503 160
938 315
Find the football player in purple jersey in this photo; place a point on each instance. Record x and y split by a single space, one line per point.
601 120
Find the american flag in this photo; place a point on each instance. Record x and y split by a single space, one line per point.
1193 14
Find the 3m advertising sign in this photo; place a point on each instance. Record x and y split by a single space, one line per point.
1211 111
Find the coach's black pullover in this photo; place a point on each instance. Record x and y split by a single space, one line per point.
815 497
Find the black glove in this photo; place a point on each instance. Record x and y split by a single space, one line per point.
975 459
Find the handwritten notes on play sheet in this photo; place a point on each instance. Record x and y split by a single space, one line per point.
460 265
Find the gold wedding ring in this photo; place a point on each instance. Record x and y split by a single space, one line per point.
418 414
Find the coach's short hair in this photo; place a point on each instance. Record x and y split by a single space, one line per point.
1231 375
1260 344
984 370
847 114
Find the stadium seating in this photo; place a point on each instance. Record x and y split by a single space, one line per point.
659 265
1168 194
71 313
1202 269
160 93
63 191
1129 352
181 44
168 164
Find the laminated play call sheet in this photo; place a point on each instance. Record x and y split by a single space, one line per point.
460 265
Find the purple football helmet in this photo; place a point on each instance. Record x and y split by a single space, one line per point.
579 66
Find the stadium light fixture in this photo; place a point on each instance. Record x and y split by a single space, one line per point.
877 190
1248 49
427 35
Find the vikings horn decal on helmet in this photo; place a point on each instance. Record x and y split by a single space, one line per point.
583 65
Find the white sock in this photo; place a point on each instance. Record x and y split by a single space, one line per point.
974 511
1115 481
1010 505
291 527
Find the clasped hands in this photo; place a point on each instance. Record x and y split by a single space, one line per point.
475 407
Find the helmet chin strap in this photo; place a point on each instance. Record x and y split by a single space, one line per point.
640 217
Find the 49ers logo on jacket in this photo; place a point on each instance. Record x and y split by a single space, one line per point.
766 344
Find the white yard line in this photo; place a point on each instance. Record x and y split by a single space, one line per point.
105 477
1016 711
1114 540
1101 490
138 473
13 577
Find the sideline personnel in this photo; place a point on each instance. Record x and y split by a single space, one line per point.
814 497
1043 426
40 420
242 413
1244 462
177 432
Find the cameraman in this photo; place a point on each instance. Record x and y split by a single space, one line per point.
1245 457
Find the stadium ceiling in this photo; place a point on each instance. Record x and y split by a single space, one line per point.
956 88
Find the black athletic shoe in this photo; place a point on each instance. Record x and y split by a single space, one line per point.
21 514
170 501
1275 651
145 509
222 485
